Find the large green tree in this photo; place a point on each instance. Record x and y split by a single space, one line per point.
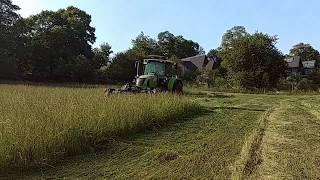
122 67
167 45
177 46
144 45
253 61
9 34
305 51
57 40
232 35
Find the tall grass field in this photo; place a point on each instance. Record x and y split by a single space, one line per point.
41 125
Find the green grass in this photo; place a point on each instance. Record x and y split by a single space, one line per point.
202 147
40 125
291 145
234 136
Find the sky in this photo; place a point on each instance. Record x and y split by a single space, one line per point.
204 21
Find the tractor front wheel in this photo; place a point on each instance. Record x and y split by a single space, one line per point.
108 92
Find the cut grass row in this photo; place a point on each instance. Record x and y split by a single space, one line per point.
291 145
220 144
40 125
204 147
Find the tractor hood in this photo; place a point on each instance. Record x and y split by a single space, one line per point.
147 81
147 76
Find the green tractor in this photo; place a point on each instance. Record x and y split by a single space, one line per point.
156 74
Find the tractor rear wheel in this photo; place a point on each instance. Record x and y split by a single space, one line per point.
178 88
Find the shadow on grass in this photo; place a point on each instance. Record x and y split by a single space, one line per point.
155 127
221 96
209 94
237 108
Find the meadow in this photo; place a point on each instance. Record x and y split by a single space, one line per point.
202 135
41 125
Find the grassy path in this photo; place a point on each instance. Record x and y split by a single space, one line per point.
291 145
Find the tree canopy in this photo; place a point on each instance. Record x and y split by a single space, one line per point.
9 34
233 34
305 51
171 45
166 44
253 61
144 45
57 40
102 55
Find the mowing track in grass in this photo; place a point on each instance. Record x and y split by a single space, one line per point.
202 147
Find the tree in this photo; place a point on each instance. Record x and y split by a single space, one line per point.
55 39
232 35
8 38
144 45
80 69
122 66
101 55
178 46
305 51
213 53
253 61
167 45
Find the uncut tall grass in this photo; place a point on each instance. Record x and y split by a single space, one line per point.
39 125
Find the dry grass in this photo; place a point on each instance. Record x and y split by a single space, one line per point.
39 125
241 136
202 147
290 149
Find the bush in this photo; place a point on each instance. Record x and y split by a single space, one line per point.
285 85
304 84
315 78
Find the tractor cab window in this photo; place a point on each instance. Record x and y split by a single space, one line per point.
155 68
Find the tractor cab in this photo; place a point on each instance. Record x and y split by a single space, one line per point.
157 73
155 67
159 67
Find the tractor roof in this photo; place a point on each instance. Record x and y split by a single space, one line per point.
146 61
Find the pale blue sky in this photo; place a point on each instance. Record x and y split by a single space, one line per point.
204 21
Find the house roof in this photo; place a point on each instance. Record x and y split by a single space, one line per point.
189 65
198 61
309 64
293 62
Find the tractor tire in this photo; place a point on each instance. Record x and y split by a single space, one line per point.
178 88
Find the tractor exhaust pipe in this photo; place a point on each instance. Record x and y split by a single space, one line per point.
137 66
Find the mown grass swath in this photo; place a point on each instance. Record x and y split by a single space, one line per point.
39 125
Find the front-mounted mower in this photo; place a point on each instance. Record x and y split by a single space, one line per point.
155 74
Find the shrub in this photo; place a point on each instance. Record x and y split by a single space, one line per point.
304 84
